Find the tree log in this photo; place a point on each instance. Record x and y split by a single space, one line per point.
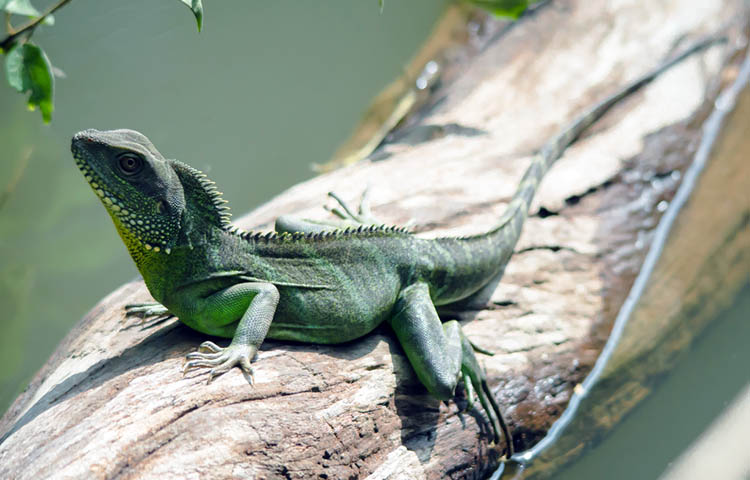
112 402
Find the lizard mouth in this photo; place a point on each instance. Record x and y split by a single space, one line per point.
96 181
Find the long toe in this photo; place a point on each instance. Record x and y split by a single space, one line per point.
210 346
193 364
203 355
224 367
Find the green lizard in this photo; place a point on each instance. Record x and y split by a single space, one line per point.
307 282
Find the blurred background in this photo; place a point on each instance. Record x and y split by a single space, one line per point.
264 91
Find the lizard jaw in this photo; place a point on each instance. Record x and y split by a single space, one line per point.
133 225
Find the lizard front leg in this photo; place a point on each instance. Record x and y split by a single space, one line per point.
254 303
149 309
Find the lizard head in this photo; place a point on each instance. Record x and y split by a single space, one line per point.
138 187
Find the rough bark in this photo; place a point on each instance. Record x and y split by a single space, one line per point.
112 403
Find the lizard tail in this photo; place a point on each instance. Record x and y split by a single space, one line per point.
475 260
509 227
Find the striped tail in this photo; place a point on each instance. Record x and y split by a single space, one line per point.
477 261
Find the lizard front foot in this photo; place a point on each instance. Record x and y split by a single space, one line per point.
151 314
150 309
221 360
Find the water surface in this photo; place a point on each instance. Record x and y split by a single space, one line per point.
705 380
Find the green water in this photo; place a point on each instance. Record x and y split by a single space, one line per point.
709 375
264 91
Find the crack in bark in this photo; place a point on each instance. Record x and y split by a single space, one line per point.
132 462
573 200
552 248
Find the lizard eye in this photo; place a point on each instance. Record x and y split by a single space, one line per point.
130 164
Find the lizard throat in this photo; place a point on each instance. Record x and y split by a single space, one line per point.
138 232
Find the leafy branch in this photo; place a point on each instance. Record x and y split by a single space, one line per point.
27 66
27 29
504 8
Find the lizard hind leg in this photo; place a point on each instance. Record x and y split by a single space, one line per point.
475 382
346 217
441 355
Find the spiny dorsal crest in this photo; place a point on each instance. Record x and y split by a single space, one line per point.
199 185
196 182
349 232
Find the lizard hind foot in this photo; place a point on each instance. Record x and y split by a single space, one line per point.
363 216
475 383
220 360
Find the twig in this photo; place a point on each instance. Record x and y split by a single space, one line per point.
5 194
8 25
8 41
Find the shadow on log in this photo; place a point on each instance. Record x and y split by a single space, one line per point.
112 402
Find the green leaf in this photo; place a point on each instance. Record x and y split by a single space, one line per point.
28 70
25 8
504 8
21 7
197 7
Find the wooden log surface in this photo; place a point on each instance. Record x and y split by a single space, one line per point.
112 403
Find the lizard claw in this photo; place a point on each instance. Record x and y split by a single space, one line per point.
221 360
